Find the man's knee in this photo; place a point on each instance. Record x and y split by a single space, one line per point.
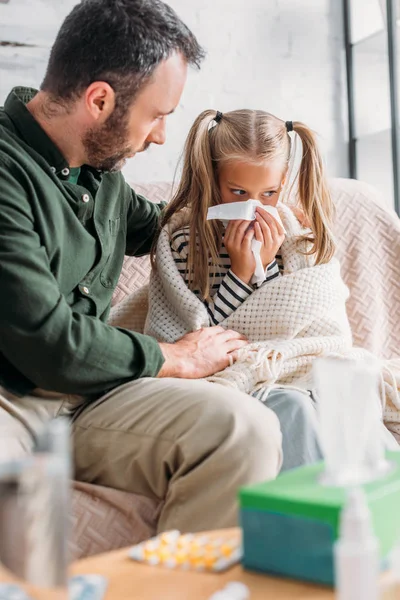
15 440
186 426
20 420
244 429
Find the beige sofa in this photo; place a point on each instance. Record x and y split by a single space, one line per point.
368 236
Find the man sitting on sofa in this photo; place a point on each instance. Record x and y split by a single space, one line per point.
141 421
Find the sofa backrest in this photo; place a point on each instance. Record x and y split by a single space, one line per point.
368 238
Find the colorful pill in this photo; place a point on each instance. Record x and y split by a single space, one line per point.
210 561
164 554
147 554
170 537
170 563
226 550
185 539
152 545
137 552
181 557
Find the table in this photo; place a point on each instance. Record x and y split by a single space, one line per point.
129 580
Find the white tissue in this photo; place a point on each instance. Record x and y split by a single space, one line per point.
246 211
259 272
350 414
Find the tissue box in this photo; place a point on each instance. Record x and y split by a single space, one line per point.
290 524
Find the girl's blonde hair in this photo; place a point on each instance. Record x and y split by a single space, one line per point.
251 136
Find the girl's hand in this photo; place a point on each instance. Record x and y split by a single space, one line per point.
237 240
270 233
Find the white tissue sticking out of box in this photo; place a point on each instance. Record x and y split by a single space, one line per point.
246 211
352 434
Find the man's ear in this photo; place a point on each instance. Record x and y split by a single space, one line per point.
99 101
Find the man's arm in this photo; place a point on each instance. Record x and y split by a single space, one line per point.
54 347
142 223
60 350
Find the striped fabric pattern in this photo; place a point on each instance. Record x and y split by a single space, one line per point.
228 291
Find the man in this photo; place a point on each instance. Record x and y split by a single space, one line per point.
140 420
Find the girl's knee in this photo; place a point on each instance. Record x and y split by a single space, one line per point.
292 402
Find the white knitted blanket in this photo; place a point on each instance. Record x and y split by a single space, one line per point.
289 321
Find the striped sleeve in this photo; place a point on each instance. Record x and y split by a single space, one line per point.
180 248
279 261
271 272
231 293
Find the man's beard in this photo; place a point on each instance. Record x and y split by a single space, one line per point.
107 148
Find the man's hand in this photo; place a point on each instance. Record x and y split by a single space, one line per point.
201 353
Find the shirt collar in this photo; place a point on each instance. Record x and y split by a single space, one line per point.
33 135
30 130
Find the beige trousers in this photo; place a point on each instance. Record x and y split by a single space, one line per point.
189 444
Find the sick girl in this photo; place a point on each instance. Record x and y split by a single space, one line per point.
204 272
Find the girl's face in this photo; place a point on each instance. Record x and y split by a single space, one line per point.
240 181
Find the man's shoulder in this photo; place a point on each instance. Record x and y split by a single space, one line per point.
10 143
5 121
8 132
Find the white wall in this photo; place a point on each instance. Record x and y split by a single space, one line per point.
284 56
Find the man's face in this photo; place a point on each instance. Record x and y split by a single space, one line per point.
125 133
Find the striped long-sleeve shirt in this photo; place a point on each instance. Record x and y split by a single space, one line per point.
228 292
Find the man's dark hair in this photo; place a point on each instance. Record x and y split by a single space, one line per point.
117 41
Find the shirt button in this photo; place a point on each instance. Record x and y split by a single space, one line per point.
65 172
85 198
53 169
85 290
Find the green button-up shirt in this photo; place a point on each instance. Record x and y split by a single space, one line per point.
61 251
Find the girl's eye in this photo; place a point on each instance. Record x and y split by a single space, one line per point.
238 192
269 194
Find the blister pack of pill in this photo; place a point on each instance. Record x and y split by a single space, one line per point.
189 551
87 587
80 587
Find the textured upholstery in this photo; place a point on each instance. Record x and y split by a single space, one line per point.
368 236
104 519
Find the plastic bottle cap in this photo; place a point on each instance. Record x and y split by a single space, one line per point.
238 590
235 590
355 522
222 595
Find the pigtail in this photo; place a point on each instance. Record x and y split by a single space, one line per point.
197 191
314 196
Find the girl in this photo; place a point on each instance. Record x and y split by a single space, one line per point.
203 273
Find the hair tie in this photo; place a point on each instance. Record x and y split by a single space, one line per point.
289 126
218 116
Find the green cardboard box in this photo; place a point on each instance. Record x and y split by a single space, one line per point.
290 524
